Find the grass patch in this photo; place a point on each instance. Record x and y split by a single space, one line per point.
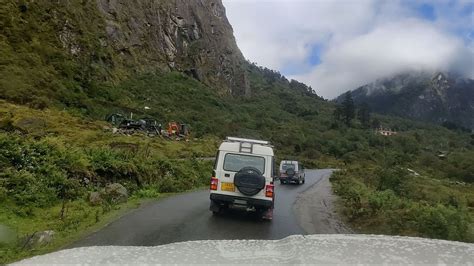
81 220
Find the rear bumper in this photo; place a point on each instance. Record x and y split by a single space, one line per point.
226 199
287 178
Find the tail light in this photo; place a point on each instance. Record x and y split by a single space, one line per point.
214 182
269 191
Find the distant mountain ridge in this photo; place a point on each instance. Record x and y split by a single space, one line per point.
438 97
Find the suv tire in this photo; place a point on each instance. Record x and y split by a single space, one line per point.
290 172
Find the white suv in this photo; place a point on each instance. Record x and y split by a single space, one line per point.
291 171
243 177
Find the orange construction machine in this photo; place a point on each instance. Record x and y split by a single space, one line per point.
177 129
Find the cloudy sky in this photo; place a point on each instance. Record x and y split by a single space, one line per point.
337 45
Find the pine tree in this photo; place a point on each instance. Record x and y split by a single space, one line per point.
376 123
338 112
348 108
363 115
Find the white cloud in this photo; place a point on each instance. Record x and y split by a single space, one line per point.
277 33
362 40
387 50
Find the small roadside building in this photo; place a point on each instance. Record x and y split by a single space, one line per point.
385 131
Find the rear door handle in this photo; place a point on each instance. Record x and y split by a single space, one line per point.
226 175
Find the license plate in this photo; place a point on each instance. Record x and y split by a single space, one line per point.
227 187
240 202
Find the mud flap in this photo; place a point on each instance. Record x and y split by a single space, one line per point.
214 207
268 214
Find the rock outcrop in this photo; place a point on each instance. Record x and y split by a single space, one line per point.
193 37
37 239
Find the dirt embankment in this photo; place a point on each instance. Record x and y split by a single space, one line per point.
315 209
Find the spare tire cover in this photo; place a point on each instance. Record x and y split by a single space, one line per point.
290 172
249 181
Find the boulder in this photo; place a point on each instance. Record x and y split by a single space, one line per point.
95 198
116 193
38 239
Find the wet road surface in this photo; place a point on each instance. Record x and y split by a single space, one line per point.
187 217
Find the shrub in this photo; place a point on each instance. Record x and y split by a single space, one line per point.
383 201
394 179
3 193
26 190
149 192
352 192
443 222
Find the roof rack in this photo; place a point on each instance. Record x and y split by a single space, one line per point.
253 141
246 145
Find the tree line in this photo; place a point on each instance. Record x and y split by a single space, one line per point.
347 111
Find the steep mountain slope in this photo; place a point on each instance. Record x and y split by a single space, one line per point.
190 36
439 97
68 51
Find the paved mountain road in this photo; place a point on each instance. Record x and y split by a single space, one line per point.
186 217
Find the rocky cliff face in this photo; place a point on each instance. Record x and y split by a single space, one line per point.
435 97
194 37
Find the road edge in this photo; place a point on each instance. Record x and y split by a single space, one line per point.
315 209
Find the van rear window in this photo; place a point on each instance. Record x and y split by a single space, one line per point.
235 162
288 166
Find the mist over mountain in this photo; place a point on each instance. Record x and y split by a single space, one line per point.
439 97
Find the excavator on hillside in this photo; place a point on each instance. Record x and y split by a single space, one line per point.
178 130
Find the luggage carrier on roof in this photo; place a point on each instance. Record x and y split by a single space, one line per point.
253 141
247 145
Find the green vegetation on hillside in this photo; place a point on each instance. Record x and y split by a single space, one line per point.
394 201
418 182
50 162
36 65
48 153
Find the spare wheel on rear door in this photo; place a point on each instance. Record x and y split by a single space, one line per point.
249 181
290 172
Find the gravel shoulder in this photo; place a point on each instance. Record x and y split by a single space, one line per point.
315 209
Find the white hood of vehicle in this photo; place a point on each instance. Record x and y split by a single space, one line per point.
297 249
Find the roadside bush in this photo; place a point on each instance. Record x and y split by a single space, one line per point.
443 222
40 173
390 201
352 192
3 193
71 159
113 166
26 190
394 179
169 184
149 192
383 201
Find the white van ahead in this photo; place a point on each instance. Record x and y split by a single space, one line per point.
243 176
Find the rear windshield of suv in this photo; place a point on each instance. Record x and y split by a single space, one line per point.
287 166
235 162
